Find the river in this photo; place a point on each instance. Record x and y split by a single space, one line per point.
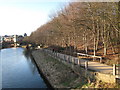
19 70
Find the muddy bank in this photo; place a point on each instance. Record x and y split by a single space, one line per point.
58 74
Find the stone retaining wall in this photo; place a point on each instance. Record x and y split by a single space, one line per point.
105 77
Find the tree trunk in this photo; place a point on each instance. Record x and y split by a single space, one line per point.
105 49
86 46
98 35
94 46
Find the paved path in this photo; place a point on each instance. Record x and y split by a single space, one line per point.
96 66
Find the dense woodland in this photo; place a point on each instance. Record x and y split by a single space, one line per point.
82 26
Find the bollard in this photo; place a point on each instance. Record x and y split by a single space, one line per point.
114 69
86 65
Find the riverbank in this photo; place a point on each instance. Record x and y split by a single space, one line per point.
58 74
61 75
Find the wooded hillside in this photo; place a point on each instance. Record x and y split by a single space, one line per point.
83 26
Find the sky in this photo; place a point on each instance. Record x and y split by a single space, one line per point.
25 16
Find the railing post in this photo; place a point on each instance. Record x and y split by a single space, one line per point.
114 69
78 61
64 58
100 59
54 53
86 65
69 59
72 59
94 58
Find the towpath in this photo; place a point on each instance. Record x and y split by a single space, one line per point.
96 66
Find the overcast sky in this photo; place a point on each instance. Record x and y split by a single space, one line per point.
25 16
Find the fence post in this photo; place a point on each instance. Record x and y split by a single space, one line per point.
100 59
64 58
69 59
86 65
73 60
94 58
78 61
114 69
55 55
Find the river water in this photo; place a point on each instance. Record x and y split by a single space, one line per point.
19 70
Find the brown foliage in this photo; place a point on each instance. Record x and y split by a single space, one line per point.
82 25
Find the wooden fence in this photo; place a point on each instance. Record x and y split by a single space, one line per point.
116 69
61 56
90 56
67 58
76 60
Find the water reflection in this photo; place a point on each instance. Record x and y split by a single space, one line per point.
19 70
29 58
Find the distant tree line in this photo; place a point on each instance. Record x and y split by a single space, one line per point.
83 25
